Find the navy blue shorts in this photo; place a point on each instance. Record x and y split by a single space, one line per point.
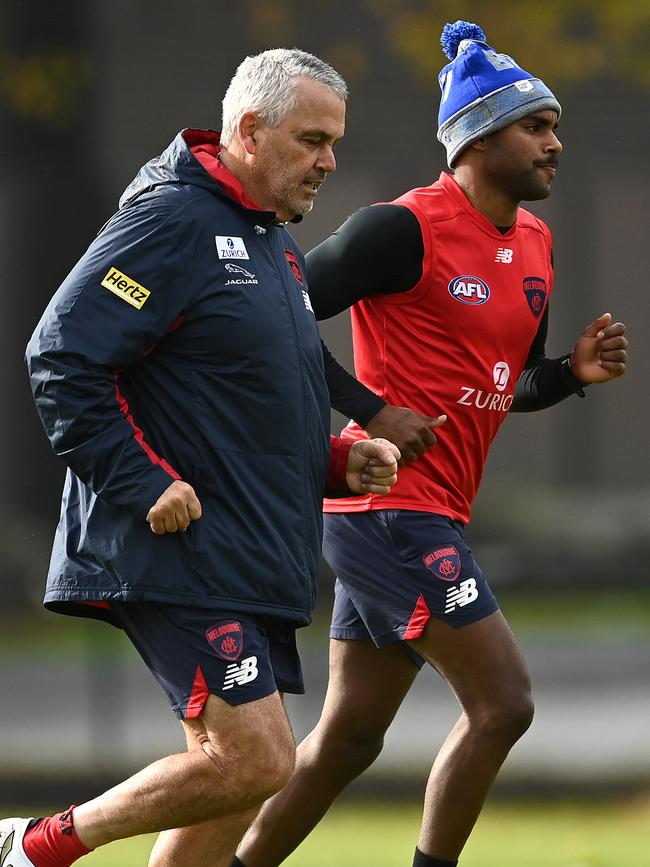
193 652
396 569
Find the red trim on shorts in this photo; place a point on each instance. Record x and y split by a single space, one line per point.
199 696
419 619
97 604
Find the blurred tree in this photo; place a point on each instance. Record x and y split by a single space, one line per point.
566 41
47 159
45 88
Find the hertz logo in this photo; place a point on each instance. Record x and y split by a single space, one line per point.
124 287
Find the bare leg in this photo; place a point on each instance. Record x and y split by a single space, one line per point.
486 671
212 843
366 687
246 754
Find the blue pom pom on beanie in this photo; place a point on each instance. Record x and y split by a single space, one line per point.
482 91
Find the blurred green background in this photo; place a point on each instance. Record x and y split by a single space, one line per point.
89 90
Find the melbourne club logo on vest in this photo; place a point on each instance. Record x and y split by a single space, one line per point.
443 562
469 290
226 638
535 292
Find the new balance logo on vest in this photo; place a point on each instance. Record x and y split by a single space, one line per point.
457 597
241 673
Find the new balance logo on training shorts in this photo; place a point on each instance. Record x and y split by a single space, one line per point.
457 597
241 674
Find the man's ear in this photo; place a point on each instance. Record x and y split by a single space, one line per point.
248 127
479 144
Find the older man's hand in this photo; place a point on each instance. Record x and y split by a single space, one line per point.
372 466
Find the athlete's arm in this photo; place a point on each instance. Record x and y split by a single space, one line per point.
347 395
377 251
544 381
364 257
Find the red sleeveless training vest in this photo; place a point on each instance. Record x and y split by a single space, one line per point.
456 343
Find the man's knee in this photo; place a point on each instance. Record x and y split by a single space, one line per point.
272 768
507 717
258 768
353 748
250 748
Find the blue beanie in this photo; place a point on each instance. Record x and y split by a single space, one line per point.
482 91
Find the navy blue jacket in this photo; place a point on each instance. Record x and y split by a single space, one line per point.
183 345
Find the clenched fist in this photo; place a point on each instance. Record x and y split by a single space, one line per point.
174 509
372 466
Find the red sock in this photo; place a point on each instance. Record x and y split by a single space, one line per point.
53 842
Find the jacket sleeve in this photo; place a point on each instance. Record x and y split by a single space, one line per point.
126 292
335 483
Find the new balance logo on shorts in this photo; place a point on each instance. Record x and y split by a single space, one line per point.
457 597
241 674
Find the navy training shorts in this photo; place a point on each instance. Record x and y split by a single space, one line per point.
193 652
396 569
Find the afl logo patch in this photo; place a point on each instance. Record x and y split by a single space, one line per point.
443 562
226 638
469 290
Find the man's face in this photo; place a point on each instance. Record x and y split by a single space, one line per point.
522 158
292 160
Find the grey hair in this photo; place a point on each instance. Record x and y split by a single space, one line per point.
266 83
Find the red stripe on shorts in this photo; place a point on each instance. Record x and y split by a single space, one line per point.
419 619
199 696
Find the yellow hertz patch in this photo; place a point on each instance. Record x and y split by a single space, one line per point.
124 287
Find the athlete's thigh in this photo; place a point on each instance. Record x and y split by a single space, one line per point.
366 687
481 661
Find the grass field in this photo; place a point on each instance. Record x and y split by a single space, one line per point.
381 834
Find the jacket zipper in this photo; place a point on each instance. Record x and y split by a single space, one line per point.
274 246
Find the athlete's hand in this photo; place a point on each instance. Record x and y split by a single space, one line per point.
601 351
174 509
411 432
372 466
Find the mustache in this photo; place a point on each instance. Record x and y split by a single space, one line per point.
551 161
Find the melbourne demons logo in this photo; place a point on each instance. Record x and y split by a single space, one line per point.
443 562
226 638
535 292
291 258
469 290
